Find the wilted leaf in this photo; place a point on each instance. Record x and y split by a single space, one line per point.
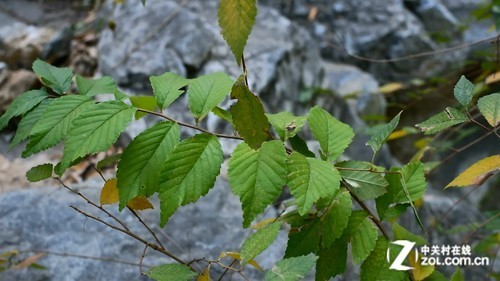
478 172
109 192
237 256
40 172
140 203
204 276
490 108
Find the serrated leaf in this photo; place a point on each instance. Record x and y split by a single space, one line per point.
489 106
336 218
22 104
362 234
248 115
419 271
310 179
138 172
28 122
189 172
92 87
414 179
463 91
96 129
55 123
59 79
257 176
171 272
444 120
457 276
333 136
119 95
380 137
303 238
206 92
300 146
40 172
109 193
365 184
140 203
332 261
237 256
144 102
478 172
167 88
286 125
108 161
236 19
259 241
291 269
376 267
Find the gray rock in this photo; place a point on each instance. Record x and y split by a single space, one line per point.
40 219
14 83
435 16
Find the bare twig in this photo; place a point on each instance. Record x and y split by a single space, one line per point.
142 259
468 237
146 226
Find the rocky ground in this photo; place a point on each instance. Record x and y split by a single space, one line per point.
297 47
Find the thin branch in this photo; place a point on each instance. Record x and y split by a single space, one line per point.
131 234
365 170
458 150
364 207
146 226
142 259
93 204
198 128
226 270
80 257
468 237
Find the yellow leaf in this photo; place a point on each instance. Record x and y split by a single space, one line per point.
478 173
29 261
9 253
204 276
263 223
140 203
390 88
237 256
109 192
397 134
419 272
492 78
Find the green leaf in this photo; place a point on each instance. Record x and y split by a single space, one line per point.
206 92
362 234
189 172
463 91
286 125
259 241
108 161
248 115
59 79
304 238
310 179
138 172
28 122
96 129
336 218
366 185
167 88
171 272
40 172
436 276
92 87
457 276
236 19
380 137
223 114
21 105
400 233
55 123
119 95
257 176
291 269
300 146
144 102
376 267
333 136
444 120
332 261
489 106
